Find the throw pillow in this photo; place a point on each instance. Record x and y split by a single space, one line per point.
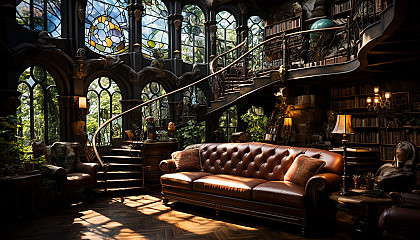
187 160
62 155
302 169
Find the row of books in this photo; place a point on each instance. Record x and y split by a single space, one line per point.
365 122
392 137
340 21
387 153
351 91
364 137
283 26
358 102
340 7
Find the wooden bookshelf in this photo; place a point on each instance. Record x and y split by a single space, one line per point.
340 11
288 25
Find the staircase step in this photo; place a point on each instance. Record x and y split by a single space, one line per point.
126 150
120 183
118 190
120 174
125 167
133 142
122 159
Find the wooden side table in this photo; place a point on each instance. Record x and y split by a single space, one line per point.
18 193
367 211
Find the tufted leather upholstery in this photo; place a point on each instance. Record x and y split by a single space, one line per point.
249 178
259 160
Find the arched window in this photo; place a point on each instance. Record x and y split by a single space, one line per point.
228 123
38 113
104 102
40 15
155 29
192 99
192 34
159 110
226 34
106 26
255 37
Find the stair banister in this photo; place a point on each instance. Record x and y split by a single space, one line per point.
199 81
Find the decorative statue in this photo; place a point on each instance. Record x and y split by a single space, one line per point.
171 131
399 175
150 126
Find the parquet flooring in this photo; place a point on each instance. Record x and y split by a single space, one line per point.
145 217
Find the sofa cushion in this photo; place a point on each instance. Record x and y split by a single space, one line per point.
181 179
62 155
75 180
187 160
280 192
303 168
228 185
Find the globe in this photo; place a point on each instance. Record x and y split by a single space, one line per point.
321 24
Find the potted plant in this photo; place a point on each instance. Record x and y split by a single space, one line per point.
256 124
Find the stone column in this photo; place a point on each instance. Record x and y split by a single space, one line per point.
135 12
175 23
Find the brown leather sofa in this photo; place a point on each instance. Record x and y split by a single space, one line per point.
248 178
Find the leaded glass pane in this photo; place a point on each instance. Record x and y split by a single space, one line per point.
155 29
37 20
255 37
192 34
228 123
104 102
106 26
38 112
226 34
158 109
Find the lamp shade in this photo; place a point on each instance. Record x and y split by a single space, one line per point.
287 121
343 125
82 102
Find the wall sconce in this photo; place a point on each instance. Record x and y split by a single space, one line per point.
82 102
378 101
343 126
287 121
137 47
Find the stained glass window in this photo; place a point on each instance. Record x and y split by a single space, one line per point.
158 109
155 29
255 37
38 113
192 34
31 14
226 34
106 26
104 102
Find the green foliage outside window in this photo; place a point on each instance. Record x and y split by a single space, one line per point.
257 123
193 133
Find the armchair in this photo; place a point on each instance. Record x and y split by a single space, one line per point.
65 167
402 221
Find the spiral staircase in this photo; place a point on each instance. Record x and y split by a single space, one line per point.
374 44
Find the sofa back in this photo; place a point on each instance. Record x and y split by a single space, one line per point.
260 160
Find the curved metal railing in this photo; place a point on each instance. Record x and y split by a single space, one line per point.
298 49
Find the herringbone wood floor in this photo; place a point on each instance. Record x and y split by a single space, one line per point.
145 217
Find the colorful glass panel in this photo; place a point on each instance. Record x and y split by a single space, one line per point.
155 29
192 34
106 26
36 20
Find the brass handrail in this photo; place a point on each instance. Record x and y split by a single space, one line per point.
194 83
225 53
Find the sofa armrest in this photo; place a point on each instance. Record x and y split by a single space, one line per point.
167 166
319 188
55 171
325 182
89 168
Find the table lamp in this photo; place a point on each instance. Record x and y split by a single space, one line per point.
343 126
